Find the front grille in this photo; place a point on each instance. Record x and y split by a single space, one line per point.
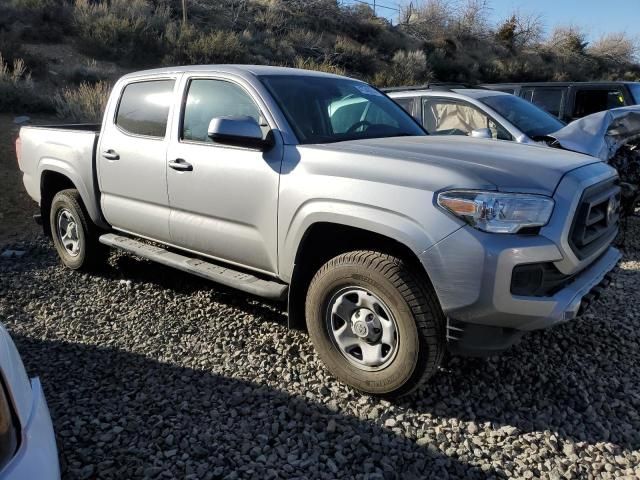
597 217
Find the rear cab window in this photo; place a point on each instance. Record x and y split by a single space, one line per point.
144 108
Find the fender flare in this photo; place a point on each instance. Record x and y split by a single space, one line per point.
87 194
388 223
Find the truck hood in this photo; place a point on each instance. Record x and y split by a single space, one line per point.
601 134
473 163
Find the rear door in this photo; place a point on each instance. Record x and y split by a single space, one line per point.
131 159
225 206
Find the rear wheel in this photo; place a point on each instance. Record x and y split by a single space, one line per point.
375 323
74 235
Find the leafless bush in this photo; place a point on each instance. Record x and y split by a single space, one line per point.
15 74
123 30
431 19
472 19
322 66
407 68
616 48
568 40
86 103
16 88
189 45
520 30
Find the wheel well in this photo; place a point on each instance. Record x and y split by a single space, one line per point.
50 184
323 241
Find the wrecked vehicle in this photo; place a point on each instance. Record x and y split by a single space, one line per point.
613 136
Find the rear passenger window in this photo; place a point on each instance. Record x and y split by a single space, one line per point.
550 99
597 100
144 108
208 99
408 106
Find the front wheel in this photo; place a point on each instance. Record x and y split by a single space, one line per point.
375 323
74 235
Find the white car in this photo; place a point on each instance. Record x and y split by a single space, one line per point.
476 112
27 442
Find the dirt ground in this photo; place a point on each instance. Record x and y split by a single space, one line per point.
16 207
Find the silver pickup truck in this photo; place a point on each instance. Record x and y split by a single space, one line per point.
318 190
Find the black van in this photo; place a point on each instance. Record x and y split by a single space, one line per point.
571 100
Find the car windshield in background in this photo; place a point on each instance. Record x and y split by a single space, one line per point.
326 110
635 91
529 119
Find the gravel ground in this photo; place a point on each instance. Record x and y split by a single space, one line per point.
151 373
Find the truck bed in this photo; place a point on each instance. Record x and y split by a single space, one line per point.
66 149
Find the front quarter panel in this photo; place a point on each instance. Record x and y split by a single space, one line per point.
381 195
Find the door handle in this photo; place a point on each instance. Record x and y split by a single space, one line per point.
180 165
111 155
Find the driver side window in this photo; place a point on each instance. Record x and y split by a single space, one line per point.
447 117
207 99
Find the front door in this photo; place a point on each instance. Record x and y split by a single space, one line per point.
131 160
224 202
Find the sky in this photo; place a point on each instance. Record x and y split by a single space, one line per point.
597 17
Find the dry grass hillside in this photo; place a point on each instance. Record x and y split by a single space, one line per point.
61 55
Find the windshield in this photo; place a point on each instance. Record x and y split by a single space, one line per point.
326 110
528 118
635 90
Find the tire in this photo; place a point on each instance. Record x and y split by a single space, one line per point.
67 210
410 324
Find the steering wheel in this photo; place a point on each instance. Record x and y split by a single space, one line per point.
357 125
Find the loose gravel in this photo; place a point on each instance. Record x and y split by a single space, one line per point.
151 373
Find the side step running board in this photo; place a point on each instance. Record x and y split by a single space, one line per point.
225 276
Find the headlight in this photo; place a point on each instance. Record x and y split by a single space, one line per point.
498 212
8 431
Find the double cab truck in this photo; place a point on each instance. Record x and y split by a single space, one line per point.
392 246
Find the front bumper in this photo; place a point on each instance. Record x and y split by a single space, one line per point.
471 273
37 456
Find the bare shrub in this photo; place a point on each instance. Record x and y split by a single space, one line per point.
191 46
85 103
472 19
123 30
430 20
354 56
15 74
617 48
322 66
520 31
568 40
407 68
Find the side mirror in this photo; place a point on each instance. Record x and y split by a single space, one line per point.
238 132
481 133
